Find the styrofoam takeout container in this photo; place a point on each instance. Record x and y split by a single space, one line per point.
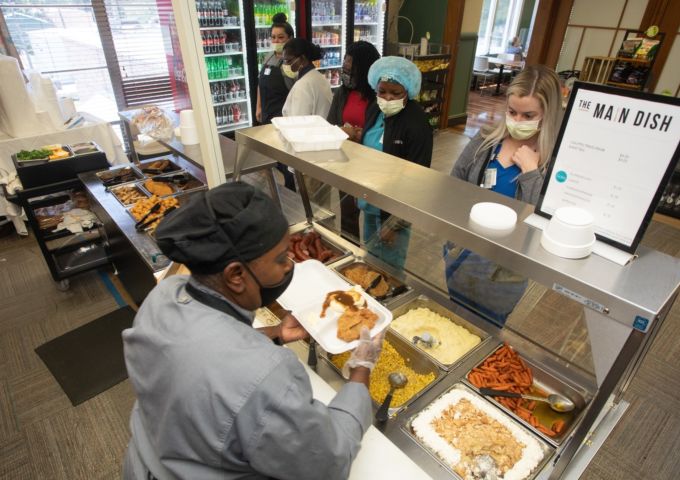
305 296
314 139
300 121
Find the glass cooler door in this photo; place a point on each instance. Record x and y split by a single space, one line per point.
329 30
369 22
223 36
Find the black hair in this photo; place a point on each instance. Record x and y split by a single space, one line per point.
281 21
299 47
363 54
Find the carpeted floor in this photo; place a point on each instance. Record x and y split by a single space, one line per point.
43 437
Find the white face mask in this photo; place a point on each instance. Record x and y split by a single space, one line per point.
522 130
287 70
278 47
390 107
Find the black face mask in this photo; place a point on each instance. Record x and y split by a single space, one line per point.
348 81
271 293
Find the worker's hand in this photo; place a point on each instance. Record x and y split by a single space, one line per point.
367 352
258 114
526 158
291 330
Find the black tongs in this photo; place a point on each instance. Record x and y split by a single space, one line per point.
375 282
146 224
152 210
178 178
393 293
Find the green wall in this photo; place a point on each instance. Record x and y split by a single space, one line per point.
462 76
427 16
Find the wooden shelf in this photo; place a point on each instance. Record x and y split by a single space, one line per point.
667 219
625 85
634 60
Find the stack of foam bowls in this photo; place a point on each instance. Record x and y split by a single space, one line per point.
187 128
569 233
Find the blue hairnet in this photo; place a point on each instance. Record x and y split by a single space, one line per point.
397 70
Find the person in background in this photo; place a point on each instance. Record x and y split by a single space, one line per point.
397 125
310 95
217 398
509 158
273 86
515 47
311 92
348 111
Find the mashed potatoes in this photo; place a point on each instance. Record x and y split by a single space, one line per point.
453 340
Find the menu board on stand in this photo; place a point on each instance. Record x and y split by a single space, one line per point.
329 30
369 22
223 36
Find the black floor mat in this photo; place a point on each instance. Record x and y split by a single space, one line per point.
89 360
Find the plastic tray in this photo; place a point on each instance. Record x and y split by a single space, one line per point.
312 280
301 121
314 139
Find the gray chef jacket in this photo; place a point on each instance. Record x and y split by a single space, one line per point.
217 399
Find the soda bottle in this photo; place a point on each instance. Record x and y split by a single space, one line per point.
236 113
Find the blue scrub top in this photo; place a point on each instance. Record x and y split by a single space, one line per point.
506 178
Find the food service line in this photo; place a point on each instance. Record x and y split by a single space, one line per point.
614 295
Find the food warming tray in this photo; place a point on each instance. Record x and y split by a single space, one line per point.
397 288
425 302
545 384
338 251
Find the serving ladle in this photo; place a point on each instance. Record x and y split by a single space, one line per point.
397 380
557 402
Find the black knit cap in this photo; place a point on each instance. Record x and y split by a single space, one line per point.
234 221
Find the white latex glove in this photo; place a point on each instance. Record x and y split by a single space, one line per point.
367 352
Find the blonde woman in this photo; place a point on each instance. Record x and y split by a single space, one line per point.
510 157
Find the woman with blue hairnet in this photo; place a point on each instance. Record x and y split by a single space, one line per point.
397 125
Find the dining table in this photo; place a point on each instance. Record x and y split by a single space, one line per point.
502 64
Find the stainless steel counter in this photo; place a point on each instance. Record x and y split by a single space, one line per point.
440 204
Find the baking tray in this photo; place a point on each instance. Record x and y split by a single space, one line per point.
394 284
547 449
172 167
181 199
105 175
115 190
426 302
339 251
414 359
544 384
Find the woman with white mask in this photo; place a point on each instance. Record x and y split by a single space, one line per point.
397 125
510 157
311 93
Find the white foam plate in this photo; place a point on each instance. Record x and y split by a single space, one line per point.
300 121
312 280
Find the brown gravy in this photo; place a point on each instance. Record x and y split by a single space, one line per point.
339 296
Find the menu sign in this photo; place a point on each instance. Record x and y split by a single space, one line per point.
615 151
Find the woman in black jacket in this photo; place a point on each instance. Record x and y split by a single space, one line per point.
348 111
397 125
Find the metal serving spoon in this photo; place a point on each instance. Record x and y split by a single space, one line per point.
557 402
397 380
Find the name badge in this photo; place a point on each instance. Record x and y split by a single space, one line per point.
489 178
267 71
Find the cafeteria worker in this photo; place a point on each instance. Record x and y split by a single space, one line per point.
216 398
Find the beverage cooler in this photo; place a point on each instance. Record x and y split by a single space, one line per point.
369 22
221 23
329 30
